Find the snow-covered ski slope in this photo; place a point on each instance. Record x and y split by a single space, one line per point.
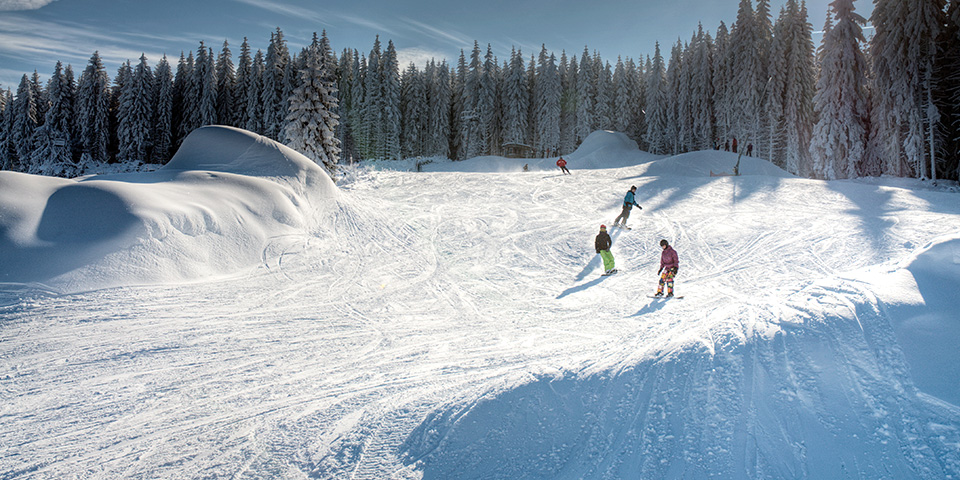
454 324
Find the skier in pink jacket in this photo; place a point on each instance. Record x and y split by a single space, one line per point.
669 264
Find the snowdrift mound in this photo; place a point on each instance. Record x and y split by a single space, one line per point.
922 298
606 149
211 211
707 162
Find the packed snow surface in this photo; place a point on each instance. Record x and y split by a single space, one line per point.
235 314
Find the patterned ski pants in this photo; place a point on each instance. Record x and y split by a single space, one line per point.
667 278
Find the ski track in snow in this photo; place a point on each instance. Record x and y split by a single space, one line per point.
454 325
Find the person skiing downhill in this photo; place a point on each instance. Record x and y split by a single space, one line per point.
669 264
602 244
629 200
563 166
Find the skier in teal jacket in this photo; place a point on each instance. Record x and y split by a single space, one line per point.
629 201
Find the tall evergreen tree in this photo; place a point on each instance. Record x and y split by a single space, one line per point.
373 114
515 100
135 122
255 92
748 76
163 138
568 103
8 150
61 117
205 81
24 124
273 95
547 105
603 101
656 135
799 89
93 105
586 92
242 85
311 122
226 78
722 85
840 134
439 114
390 133
673 93
488 105
413 101
903 52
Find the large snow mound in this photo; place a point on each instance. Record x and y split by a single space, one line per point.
212 210
921 296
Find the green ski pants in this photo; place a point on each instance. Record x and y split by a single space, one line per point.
607 259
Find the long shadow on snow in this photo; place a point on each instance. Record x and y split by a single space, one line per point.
730 404
592 265
680 188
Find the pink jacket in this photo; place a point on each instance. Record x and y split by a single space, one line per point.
668 259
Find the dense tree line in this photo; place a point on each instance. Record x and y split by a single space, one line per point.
850 108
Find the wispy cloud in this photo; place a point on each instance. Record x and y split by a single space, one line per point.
453 38
13 5
288 10
42 44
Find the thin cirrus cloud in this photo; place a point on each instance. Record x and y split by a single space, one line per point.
48 42
14 5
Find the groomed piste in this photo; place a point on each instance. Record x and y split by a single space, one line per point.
238 314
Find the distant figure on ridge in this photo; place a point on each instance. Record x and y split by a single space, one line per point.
563 166
669 264
749 149
629 200
603 244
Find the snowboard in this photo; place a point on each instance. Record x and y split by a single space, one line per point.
623 227
605 274
665 297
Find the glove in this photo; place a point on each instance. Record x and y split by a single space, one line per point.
661 270
675 270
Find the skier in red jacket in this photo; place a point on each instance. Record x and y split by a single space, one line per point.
563 166
669 264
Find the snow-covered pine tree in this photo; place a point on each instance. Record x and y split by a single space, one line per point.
637 99
273 94
226 78
515 100
439 113
603 101
345 85
656 135
701 91
722 85
568 103
840 134
163 113
488 106
8 151
773 101
254 107
24 124
903 51
52 140
205 81
748 80
390 134
412 103
471 134
93 105
311 121
459 80
622 109
799 90
685 99
547 106
39 97
136 114
586 92
182 108
242 84
673 92
61 117
373 115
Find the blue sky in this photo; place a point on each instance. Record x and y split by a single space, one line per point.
34 34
